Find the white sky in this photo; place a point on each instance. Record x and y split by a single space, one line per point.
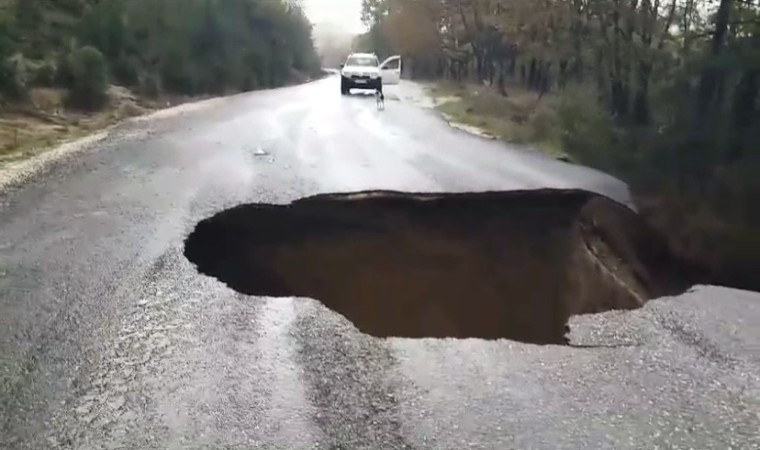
343 13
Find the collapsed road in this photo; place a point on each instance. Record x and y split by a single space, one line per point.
110 338
512 265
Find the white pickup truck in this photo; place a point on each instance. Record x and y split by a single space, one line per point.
364 71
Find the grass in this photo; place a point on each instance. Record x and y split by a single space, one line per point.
519 118
42 122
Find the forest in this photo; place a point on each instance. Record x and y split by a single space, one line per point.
661 93
187 47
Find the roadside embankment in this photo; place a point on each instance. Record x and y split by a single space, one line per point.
521 117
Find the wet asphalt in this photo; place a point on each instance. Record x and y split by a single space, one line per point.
110 339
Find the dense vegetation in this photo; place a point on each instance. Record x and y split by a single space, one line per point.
176 46
663 93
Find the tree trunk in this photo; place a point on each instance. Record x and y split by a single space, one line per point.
619 96
711 77
641 109
562 81
479 66
532 74
601 85
745 111
746 97
501 87
545 78
577 31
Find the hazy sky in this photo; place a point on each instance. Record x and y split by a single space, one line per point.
346 13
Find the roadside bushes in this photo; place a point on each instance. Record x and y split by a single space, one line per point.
44 75
179 47
88 72
11 83
125 70
586 131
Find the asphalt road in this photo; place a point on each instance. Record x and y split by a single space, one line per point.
110 339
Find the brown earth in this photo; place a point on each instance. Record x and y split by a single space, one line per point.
492 265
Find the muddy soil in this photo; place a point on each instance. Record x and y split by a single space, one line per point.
512 265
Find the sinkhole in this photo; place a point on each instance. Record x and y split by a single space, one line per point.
490 265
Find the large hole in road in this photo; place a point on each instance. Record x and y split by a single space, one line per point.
512 265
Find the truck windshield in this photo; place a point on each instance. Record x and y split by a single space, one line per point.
362 61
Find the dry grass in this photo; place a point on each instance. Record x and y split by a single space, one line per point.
47 100
43 121
521 117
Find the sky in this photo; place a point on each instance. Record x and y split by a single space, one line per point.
343 13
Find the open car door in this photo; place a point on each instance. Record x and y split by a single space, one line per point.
390 70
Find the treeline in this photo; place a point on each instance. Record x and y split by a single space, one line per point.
187 47
663 93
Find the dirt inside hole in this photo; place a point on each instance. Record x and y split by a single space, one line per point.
512 265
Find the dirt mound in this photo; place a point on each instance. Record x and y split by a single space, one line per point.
510 265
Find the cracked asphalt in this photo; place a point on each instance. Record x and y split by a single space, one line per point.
109 339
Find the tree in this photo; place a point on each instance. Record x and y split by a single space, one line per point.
89 77
183 46
671 93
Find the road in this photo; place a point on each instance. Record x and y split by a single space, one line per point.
110 338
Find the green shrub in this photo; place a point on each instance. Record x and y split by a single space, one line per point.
28 14
12 83
63 75
543 123
588 133
125 70
13 77
89 73
44 75
177 72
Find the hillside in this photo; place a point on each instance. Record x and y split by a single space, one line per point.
59 57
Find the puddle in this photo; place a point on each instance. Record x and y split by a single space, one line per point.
512 265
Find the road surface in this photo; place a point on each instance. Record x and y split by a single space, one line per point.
110 339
